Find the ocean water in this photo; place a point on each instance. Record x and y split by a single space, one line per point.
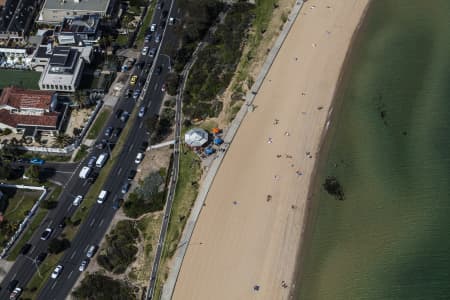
389 146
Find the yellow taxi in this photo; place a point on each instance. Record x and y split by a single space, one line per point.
133 80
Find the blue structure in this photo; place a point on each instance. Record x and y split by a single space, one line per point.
218 141
209 151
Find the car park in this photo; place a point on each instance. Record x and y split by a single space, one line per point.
133 79
83 265
46 234
125 187
57 271
37 161
77 201
102 196
91 251
131 175
108 131
124 116
25 249
144 50
91 161
139 158
15 294
153 27
141 111
40 258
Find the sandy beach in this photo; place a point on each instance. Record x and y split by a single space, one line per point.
246 240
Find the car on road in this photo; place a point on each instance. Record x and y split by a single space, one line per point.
91 251
102 196
158 38
77 201
162 24
91 161
83 265
46 234
12 285
25 249
144 146
131 175
93 177
108 131
141 111
152 52
163 87
144 51
116 132
101 145
164 13
124 116
160 5
153 27
117 203
125 187
40 258
139 158
148 38
172 21
57 271
37 161
62 223
15 294
119 113
158 70
128 93
136 94
133 79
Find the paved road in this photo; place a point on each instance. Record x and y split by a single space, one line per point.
100 216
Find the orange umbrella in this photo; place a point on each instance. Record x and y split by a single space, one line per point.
215 130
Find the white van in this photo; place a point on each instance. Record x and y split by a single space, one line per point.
102 196
101 160
84 173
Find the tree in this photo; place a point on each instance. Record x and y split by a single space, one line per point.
334 188
5 171
32 172
56 245
49 204
62 140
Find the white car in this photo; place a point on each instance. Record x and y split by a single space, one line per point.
46 234
139 158
144 50
83 265
141 111
78 200
153 27
15 294
57 271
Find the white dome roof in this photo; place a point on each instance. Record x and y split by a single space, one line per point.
196 137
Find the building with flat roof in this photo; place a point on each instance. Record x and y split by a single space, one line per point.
54 11
29 111
82 30
16 18
64 68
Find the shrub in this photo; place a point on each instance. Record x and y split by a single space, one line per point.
100 287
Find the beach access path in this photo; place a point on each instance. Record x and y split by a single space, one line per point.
246 239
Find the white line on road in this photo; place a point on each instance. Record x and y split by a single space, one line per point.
92 223
148 105
70 274
53 285
156 86
101 222
73 254
130 148
50 224
63 172
140 125
120 171
68 208
85 182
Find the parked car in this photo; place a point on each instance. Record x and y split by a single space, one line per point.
133 79
117 203
46 234
136 94
77 201
101 145
139 158
62 223
83 265
93 177
144 50
40 258
158 38
91 251
172 21
25 249
125 187
131 175
116 132
141 111
153 27
152 52
163 87
119 113
102 196
37 161
124 116
91 161
108 131
57 271
15 294
148 38
128 93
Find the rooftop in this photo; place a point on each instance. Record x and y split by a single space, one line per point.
87 5
15 15
45 120
21 98
83 24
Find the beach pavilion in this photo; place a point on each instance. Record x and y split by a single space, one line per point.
196 137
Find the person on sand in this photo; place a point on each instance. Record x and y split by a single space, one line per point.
286 133
269 141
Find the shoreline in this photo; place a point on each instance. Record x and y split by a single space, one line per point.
323 150
246 248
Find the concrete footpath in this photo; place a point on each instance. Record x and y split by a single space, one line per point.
170 283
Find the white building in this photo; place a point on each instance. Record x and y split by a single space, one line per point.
54 11
196 137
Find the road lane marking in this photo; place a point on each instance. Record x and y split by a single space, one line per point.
101 222
50 224
73 254
85 182
92 223
120 171
140 125
53 285
156 86
68 208
148 105
70 274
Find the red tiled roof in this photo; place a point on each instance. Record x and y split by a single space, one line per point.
47 119
22 98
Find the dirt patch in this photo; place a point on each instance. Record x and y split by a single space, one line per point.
78 119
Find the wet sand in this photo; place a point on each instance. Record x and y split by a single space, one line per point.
247 237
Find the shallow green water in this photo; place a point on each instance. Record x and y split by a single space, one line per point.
390 237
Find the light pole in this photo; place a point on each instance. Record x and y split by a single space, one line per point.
168 57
